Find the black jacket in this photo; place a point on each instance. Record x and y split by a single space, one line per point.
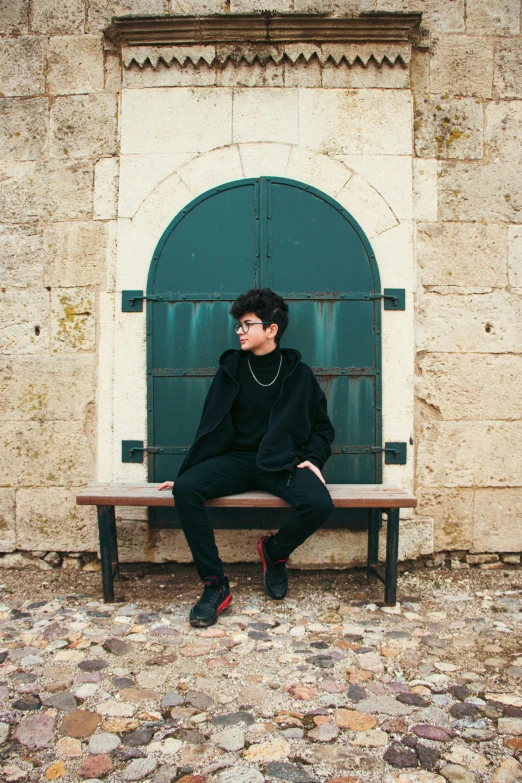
299 427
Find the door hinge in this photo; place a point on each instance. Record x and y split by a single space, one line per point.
394 452
133 450
394 298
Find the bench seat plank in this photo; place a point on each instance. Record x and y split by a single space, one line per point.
343 496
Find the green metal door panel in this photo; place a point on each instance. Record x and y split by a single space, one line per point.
210 244
286 235
191 333
313 244
333 333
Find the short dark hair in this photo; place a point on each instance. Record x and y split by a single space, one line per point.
266 304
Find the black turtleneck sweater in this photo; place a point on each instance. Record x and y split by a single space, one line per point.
251 408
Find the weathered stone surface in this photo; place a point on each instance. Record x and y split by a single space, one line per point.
68 747
503 131
230 739
140 736
117 646
139 768
508 69
63 700
14 17
49 518
325 732
456 773
72 319
75 64
454 385
492 17
462 254
462 65
509 771
101 12
515 256
57 190
23 128
79 724
7 520
425 189
367 133
399 755
22 65
479 191
95 766
83 126
511 726
58 16
452 512
385 704
103 743
106 188
36 731
470 323
272 750
75 254
448 127
437 733
21 255
282 770
24 321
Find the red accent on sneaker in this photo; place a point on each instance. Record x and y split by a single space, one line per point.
223 605
261 553
282 560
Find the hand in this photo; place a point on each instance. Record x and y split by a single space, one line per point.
165 485
313 467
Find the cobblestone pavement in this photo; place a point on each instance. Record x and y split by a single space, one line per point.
325 685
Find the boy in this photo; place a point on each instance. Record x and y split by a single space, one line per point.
264 426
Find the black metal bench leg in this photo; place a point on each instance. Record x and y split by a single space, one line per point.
373 541
392 556
113 542
106 533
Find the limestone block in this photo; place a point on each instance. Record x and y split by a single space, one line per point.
24 322
105 189
462 65
367 206
174 75
484 323
452 514
493 17
185 120
135 248
74 254
390 175
112 72
480 191
47 453
448 127
7 520
507 79
105 388
394 253
356 122
210 170
497 520
75 64
140 174
48 518
303 74
265 115
57 16
515 256
14 16
22 66
83 126
469 453
444 15
21 255
247 6
415 538
23 128
267 159
453 384
55 190
425 198
72 320
503 131
370 76
162 205
100 12
320 171
462 254
254 75
47 388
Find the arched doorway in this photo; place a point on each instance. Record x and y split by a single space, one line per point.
287 235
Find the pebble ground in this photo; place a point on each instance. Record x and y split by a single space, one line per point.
326 685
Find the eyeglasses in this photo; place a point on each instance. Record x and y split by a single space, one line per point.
245 326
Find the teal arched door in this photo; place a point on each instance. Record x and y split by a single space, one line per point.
288 236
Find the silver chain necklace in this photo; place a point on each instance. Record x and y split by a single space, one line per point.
271 382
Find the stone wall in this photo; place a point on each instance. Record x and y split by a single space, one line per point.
61 240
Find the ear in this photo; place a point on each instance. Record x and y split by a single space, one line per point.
272 330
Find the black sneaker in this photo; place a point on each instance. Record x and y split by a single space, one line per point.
274 576
214 600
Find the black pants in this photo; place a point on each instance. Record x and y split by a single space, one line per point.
233 472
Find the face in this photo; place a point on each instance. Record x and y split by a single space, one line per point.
257 339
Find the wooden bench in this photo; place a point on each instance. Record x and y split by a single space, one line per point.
381 497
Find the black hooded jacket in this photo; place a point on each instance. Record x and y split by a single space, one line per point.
299 427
